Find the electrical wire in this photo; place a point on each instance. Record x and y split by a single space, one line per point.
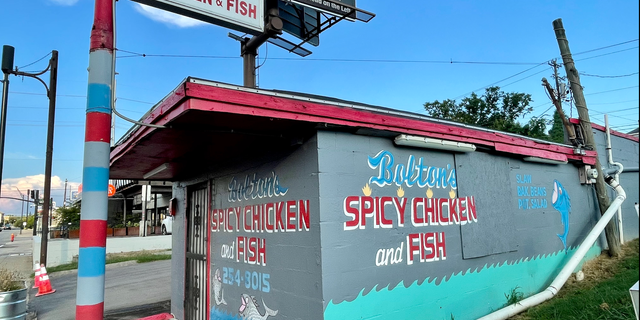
600 76
32 63
507 78
619 89
606 54
617 102
606 47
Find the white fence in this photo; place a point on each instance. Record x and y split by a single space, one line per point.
61 251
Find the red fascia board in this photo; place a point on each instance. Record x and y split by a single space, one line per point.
530 152
603 129
272 106
132 141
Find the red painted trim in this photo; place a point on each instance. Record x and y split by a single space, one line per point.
95 311
98 127
193 96
270 106
209 235
102 31
170 108
93 233
604 129
530 152
162 316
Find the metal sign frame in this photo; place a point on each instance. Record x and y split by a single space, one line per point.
196 11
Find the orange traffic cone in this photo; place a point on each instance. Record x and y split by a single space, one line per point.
36 280
45 284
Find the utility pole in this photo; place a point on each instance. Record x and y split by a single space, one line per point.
53 85
95 180
35 194
581 105
64 197
556 98
7 66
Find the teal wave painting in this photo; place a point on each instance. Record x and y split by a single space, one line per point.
461 296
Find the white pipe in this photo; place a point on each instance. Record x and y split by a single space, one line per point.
566 272
618 172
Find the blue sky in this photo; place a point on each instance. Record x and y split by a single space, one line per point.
410 31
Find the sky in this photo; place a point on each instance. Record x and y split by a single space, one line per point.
412 52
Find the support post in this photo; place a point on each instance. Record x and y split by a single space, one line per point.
95 175
581 105
53 85
35 211
249 47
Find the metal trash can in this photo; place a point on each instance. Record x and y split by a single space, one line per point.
13 304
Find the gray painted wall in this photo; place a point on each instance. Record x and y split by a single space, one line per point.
178 252
506 230
626 152
505 215
289 281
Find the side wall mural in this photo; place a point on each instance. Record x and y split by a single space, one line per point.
264 227
412 233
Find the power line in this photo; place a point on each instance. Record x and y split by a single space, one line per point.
606 54
527 77
619 89
600 76
605 47
74 96
32 63
617 102
507 78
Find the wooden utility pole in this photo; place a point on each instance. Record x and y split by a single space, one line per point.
557 102
585 123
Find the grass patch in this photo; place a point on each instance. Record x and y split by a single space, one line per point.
139 256
603 294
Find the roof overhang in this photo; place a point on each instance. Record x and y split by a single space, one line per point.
211 125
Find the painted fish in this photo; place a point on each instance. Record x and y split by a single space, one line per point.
217 289
249 309
562 203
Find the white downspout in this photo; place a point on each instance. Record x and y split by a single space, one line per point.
617 174
566 272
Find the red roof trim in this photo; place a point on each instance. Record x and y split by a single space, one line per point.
603 129
204 97
267 105
168 109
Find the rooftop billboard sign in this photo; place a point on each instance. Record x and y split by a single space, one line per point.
241 15
335 7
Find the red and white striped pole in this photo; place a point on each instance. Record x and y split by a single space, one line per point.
95 174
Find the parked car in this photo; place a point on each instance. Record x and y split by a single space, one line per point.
167 224
7 227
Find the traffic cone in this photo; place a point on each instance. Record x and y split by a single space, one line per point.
36 280
45 284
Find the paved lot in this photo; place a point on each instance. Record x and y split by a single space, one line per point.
130 287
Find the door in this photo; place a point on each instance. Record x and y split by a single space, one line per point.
196 284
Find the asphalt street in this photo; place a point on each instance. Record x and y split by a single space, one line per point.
16 255
128 285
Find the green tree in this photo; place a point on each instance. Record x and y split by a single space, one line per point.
68 215
556 134
495 109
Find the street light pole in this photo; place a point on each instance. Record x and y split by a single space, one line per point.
7 66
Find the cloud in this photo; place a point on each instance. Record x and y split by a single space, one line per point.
11 188
164 16
64 2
